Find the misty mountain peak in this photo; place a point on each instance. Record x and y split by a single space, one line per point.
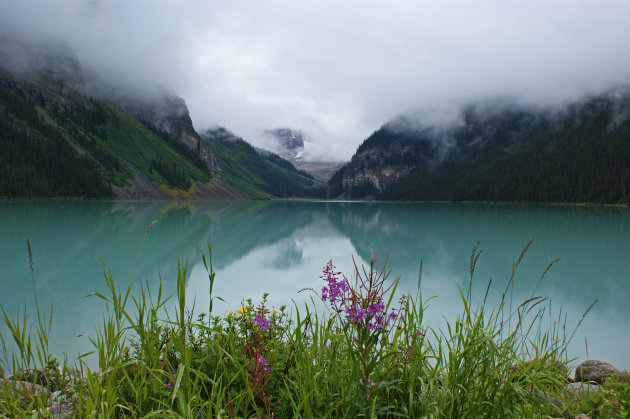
289 142
52 65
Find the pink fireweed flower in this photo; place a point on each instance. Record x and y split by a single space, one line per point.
262 364
171 381
375 309
336 289
392 316
261 322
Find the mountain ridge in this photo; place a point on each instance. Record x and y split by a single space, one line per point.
580 153
66 137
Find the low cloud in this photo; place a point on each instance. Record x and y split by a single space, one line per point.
338 70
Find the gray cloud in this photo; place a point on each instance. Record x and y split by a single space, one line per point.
339 70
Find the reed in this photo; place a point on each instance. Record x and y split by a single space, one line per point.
364 351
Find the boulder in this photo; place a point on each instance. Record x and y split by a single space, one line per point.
59 406
25 390
595 371
577 390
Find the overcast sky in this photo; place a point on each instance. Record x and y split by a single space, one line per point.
339 69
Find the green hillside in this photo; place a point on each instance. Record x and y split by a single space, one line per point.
257 176
77 147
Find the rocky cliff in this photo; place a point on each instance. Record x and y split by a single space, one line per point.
384 158
499 151
51 71
61 138
165 112
289 143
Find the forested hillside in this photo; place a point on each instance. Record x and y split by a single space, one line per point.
80 147
578 154
259 175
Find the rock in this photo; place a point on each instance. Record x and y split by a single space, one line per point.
577 390
624 376
37 376
25 390
595 371
59 406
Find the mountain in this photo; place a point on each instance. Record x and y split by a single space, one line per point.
499 152
160 109
58 140
257 173
290 145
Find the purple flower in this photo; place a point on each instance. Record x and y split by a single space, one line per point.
324 293
261 322
172 380
375 309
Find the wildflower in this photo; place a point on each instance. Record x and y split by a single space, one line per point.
275 312
261 322
229 313
171 381
375 309
262 364
392 316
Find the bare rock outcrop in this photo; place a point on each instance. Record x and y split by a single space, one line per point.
595 371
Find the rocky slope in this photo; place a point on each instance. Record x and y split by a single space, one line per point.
59 141
289 144
255 172
499 152
166 112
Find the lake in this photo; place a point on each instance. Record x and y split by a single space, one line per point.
281 247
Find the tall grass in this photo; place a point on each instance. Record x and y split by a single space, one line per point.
368 354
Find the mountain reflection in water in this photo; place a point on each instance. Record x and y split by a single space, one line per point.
280 247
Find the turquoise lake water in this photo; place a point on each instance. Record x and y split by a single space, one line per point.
281 248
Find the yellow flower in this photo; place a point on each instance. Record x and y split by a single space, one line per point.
229 313
275 312
246 317
246 309
240 310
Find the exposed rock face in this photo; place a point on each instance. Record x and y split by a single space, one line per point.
52 66
322 171
495 151
578 390
380 177
28 389
51 72
383 159
169 113
58 75
140 187
595 371
290 143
